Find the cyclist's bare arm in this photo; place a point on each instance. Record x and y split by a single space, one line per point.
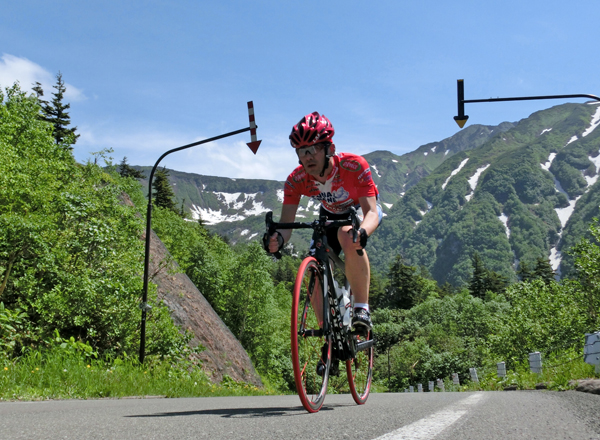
288 215
369 223
370 214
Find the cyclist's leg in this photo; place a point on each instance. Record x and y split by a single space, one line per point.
357 266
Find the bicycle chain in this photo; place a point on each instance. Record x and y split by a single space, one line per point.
341 334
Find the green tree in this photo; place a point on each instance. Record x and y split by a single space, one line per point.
125 170
543 270
164 196
478 283
525 272
70 252
484 280
405 286
55 112
542 317
587 263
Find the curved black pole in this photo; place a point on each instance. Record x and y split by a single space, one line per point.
144 305
461 118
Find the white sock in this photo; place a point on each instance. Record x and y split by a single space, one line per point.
361 306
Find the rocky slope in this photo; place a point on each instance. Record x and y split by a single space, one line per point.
223 354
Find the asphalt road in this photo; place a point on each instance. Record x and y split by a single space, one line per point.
481 415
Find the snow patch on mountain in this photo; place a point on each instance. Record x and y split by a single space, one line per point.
311 210
504 219
565 213
595 122
474 179
555 259
545 131
546 165
374 168
456 171
596 161
429 206
212 217
231 201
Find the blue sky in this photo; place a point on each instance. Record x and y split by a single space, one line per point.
145 77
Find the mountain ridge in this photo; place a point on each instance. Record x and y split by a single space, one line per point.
513 192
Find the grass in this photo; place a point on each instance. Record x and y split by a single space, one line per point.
60 374
64 373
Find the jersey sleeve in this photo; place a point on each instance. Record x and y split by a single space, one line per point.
291 190
365 187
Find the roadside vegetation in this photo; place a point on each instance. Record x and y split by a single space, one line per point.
71 261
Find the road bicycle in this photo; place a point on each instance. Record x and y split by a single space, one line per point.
321 336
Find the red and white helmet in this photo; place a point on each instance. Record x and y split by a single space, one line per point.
312 129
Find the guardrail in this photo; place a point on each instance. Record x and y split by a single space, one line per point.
591 355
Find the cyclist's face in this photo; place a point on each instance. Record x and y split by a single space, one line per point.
312 158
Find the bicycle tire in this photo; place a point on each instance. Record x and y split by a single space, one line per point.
360 372
308 342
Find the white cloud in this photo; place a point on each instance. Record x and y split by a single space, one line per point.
27 72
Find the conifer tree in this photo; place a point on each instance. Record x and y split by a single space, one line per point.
405 286
55 112
543 270
163 192
39 91
477 286
525 273
125 170
484 280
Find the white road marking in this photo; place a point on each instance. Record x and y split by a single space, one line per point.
431 426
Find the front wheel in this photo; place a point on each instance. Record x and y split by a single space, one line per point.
360 370
311 349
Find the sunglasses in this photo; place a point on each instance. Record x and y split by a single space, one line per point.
312 150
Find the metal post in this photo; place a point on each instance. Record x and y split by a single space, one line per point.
591 350
462 118
144 305
455 379
501 369
535 362
474 377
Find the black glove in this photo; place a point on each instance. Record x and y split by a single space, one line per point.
267 239
363 237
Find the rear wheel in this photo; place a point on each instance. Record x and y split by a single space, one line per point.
360 370
311 350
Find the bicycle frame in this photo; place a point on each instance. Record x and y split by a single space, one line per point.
324 254
339 342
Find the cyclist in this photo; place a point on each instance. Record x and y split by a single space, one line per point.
338 181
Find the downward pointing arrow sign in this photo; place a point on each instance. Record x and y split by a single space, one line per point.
255 143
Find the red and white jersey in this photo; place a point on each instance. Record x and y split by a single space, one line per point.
349 180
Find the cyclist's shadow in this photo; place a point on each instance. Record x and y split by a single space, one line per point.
242 413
